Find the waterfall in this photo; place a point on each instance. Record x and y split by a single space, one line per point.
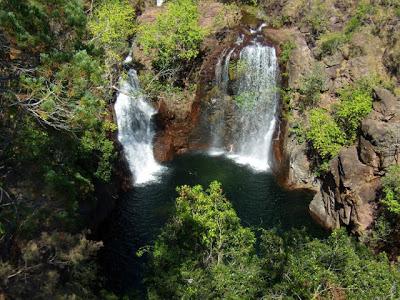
135 130
255 100
159 2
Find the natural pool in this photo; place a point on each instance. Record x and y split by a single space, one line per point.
140 214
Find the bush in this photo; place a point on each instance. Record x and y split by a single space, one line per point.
355 104
38 23
311 87
286 50
330 42
324 134
175 37
111 25
355 22
204 252
317 16
391 189
336 268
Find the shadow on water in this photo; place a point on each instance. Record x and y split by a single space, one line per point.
141 213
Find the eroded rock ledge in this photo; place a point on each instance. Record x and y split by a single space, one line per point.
347 195
348 192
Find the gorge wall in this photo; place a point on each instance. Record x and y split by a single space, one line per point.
346 195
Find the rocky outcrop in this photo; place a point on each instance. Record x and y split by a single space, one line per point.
348 192
175 132
346 195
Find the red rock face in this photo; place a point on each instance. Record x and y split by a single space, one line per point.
174 135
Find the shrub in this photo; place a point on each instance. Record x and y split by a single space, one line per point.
111 25
391 189
363 9
355 104
330 42
203 250
317 16
174 37
38 23
286 50
312 85
324 134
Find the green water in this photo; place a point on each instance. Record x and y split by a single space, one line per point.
256 197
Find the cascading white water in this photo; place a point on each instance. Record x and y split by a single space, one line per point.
135 130
255 98
159 2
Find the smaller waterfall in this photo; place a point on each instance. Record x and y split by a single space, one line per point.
160 2
252 105
135 130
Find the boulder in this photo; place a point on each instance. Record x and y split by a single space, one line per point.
380 131
347 193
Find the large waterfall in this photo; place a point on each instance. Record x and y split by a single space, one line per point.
253 95
135 130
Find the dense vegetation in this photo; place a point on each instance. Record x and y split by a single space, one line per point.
205 253
60 63
56 144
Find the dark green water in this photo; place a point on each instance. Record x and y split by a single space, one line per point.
256 197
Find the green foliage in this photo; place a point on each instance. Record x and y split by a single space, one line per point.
355 104
364 8
111 25
317 16
312 86
204 252
246 99
337 266
237 69
174 38
324 134
330 42
34 23
391 189
72 99
286 50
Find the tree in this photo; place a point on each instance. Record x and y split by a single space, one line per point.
391 189
174 38
355 104
335 268
204 252
324 134
37 23
111 25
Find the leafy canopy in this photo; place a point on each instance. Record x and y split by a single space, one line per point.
355 104
37 23
325 135
174 37
111 25
204 252
391 189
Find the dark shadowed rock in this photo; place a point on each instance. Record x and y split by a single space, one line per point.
346 194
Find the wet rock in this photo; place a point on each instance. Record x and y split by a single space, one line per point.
163 148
